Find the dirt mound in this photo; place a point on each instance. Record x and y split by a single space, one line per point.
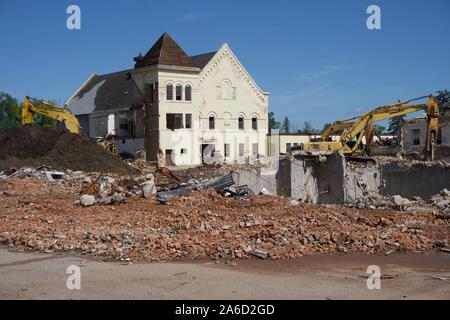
32 146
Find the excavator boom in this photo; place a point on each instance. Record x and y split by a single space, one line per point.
49 110
362 127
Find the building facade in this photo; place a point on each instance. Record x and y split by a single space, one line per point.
182 110
414 135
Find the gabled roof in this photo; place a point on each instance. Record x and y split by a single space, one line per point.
202 60
165 51
106 93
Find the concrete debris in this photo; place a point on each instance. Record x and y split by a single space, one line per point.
401 202
41 216
260 254
106 188
265 192
87 200
219 184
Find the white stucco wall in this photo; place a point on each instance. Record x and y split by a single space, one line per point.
227 92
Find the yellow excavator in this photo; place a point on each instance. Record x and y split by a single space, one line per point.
30 106
49 110
350 140
336 127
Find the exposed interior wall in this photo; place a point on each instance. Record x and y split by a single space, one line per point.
98 125
330 176
362 180
256 181
304 184
410 180
130 145
333 179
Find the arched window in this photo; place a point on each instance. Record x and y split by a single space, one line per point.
188 92
212 123
169 92
241 123
254 123
179 92
226 89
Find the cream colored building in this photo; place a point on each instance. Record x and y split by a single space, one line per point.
183 110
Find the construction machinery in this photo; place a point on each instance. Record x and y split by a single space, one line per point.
336 127
351 139
30 106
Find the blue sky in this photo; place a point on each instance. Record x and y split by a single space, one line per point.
316 58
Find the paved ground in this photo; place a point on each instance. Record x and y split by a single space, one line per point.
38 276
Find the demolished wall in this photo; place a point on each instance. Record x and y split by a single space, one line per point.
410 179
297 178
335 179
362 180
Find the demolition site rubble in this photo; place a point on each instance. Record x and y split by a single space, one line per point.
126 218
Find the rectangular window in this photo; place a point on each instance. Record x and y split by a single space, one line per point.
169 92
241 123
174 121
295 144
178 92
212 123
288 147
255 149
188 120
226 149
188 93
254 124
416 136
241 149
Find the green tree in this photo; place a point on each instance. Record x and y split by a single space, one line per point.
379 129
273 123
286 126
307 127
395 125
9 111
443 100
326 125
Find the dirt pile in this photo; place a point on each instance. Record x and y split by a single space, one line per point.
44 216
31 146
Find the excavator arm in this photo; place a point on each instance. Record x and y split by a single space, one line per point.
363 127
336 127
365 122
49 110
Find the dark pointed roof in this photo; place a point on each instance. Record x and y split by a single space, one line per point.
202 60
165 51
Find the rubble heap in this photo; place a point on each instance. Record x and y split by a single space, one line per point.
46 216
32 146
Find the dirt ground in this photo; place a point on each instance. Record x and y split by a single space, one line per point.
32 146
43 276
